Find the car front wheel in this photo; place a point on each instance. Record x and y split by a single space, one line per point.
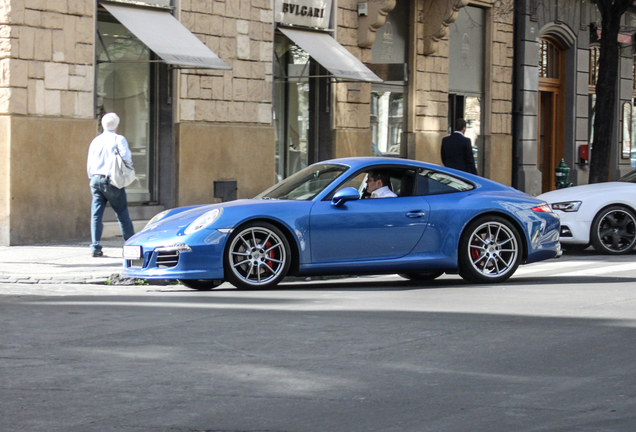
614 230
258 256
489 250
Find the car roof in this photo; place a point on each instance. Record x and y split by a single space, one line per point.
357 162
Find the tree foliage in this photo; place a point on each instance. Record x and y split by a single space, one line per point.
611 14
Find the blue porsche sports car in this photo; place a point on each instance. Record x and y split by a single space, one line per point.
318 222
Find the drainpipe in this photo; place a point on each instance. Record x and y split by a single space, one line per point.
516 112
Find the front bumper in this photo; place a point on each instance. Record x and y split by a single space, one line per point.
574 231
158 261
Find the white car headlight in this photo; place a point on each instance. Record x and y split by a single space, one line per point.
203 221
567 206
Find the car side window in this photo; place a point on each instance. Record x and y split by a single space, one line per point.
402 181
431 182
358 181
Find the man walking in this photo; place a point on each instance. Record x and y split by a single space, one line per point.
457 151
101 154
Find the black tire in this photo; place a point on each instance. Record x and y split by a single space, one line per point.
614 230
201 284
421 277
489 250
257 256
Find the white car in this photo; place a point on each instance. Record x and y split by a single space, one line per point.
600 214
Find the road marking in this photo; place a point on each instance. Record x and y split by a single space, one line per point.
601 270
552 265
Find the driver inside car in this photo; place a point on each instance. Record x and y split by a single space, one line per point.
378 185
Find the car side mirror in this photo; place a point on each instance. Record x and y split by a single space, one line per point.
344 195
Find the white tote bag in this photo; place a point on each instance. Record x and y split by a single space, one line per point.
122 174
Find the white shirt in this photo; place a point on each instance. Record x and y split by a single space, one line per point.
102 151
383 192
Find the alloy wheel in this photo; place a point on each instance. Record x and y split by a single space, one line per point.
615 231
258 257
493 249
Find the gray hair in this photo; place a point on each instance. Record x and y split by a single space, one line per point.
110 121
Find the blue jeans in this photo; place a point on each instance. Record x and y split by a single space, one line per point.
103 192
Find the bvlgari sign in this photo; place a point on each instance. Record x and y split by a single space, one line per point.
307 13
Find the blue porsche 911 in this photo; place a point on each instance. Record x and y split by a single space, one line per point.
318 221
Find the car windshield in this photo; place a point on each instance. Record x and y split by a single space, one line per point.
305 184
629 177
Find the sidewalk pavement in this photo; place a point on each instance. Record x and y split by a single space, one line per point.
60 263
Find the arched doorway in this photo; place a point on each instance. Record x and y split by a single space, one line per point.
551 110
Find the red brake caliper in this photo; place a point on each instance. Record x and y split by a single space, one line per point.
271 253
474 252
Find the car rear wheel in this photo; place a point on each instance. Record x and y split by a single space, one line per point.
614 230
258 256
421 277
489 250
201 284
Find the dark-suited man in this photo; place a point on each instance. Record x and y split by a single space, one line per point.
457 151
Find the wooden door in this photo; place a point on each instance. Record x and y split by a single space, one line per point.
551 111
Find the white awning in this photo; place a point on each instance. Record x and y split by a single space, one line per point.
166 36
329 53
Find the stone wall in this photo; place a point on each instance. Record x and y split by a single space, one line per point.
240 32
498 143
352 116
209 152
43 178
352 99
46 58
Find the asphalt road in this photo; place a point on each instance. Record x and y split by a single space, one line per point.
551 350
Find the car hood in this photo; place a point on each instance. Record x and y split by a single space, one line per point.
181 217
586 191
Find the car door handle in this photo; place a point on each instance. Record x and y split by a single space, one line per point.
415 214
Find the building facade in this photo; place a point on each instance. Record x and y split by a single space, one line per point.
556 64
224 98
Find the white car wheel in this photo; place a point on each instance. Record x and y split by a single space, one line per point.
614 230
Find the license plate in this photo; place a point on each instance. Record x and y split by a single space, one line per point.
132 252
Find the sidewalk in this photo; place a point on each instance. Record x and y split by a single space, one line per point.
62 263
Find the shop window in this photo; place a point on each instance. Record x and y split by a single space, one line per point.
626 132
467 39
291 93
595 53
387 120
389 53
633 119
593 67
124 80
633 130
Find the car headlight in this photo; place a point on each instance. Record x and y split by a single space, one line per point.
157 218
203 221
567 206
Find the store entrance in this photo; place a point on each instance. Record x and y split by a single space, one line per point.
468 108
302 115
126 80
